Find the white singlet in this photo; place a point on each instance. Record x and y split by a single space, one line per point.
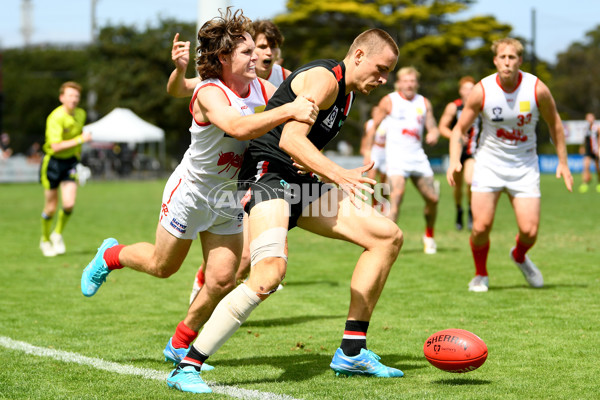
277 75
506 157
404 135
200 195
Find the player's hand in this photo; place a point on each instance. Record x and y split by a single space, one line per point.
563 171
431 138
304 109
86 136
352 182
453 170
180 53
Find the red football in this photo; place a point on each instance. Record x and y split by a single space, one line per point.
455 350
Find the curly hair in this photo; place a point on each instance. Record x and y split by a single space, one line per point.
217 37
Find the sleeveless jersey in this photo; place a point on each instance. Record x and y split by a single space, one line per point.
214 158
470 145
509 119
326 127
277 75
405 125
591 139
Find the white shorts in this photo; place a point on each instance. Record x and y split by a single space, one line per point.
378 156
522 181
405 168
184 213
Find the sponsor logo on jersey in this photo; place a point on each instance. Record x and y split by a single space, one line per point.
497 111
524 106
178 225
328 122
230 160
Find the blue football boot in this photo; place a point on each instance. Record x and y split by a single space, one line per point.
176 355
366 363
187 379
94 275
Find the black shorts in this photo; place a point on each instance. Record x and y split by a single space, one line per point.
53 171
267 180
464 155
588 149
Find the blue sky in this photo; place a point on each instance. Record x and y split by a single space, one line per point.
559 22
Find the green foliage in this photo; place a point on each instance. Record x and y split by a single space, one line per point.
543 344
31 78
576 87
131 69
442 48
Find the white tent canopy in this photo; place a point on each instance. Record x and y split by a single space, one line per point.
122 125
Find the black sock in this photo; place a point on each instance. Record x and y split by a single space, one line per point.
193 358
355 337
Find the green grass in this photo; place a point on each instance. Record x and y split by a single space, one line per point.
543 344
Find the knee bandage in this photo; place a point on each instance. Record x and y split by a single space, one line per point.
270 243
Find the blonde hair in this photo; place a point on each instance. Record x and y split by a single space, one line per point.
410 70
508 41
372 41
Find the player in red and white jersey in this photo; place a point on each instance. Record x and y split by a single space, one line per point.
510 102
224 109
268 40
447 121
377 154
589 150
409 114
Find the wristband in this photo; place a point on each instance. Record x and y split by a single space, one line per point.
79 139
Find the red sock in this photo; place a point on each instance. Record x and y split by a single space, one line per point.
520 250
111 256
428 232
480 257
183 336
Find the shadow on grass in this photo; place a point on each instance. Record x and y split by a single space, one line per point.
289 320
305 366
310 283
462 382
524 286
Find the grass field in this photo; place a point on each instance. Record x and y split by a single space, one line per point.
543 344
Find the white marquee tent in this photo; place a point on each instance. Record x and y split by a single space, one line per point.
122 125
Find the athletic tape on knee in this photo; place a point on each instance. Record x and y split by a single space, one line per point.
270 243
230 313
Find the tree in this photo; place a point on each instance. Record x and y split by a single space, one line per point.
32 77
442 49
576 86
131 69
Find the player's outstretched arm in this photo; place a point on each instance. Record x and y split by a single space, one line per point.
319 84
178 85
549 113
212 106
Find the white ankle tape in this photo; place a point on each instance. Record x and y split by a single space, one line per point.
230 313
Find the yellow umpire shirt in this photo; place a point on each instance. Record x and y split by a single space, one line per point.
60 126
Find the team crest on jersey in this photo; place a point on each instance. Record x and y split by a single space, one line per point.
497 111
328 122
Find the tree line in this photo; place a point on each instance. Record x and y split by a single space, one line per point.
129 67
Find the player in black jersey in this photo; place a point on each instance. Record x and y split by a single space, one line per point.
278 197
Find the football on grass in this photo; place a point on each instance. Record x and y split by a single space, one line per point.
455 350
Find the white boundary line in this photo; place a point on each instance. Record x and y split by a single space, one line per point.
124 369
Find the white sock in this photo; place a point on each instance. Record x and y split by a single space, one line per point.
230 313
